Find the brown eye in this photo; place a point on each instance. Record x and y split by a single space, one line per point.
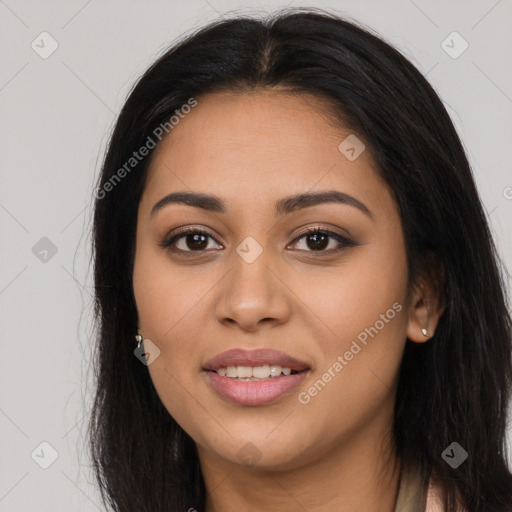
195 241
317 240
192 240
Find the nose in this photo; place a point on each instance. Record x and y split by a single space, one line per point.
253 294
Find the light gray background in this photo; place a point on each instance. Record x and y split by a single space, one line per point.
56 114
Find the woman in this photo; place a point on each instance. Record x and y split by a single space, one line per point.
299 301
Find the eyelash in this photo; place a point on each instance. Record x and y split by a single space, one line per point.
167 243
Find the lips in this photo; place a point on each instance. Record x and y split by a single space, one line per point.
258 357
255 392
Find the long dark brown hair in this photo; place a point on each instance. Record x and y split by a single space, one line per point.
454 388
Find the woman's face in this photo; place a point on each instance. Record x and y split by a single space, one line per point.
255 281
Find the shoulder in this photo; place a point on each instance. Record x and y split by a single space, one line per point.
434 498
434 503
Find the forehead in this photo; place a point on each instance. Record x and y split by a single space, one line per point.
255 143
265 120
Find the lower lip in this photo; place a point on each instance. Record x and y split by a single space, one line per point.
255 392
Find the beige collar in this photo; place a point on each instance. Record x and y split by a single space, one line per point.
412 492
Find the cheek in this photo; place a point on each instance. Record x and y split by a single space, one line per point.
164 295
171 307
346 300
169 310
363 306
356 381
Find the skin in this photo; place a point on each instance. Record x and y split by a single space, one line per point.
252 149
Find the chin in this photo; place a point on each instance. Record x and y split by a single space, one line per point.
260 452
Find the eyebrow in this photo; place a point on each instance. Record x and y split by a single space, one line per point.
282 207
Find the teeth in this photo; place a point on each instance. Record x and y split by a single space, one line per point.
231 371
243 371
261 372
258 372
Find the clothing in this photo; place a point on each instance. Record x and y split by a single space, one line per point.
417 493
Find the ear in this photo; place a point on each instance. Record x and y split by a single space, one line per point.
427 304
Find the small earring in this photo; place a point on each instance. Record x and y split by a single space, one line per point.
138 338
425 332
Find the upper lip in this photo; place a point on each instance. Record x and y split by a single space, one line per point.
258 357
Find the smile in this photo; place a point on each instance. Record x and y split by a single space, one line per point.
254 372
254 391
